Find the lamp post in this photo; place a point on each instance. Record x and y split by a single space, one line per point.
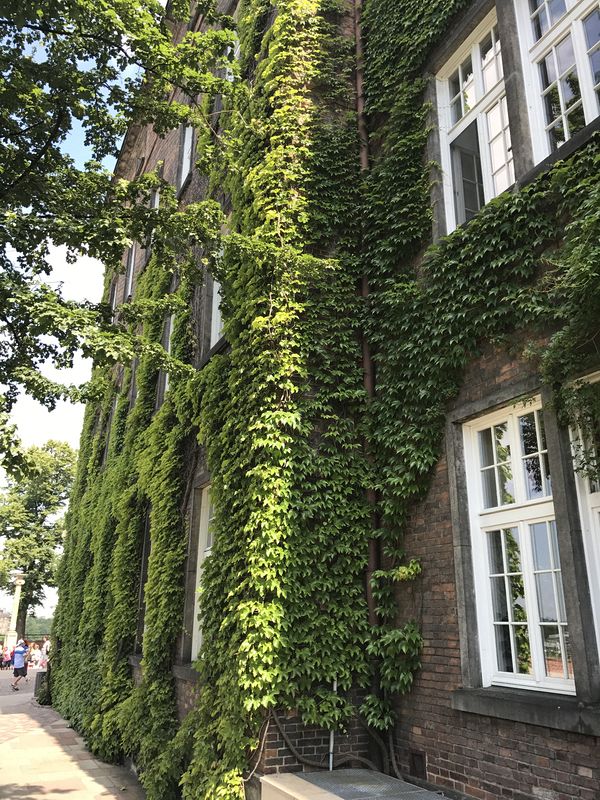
18 578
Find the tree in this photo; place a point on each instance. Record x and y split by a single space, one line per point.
31 521
96 69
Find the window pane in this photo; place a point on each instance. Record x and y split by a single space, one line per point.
471 196
556 8
495 552
502 180
486 451
576 120
503 648
523 649
547 70
490 494
517 596
552 651
468 85
529 440
556 135
595 63
534 484
502 442
467 164
494 121
552 104
497 153
539 21
545 595
513 553
570 89
591 25
454 85
562 614
505 482
554 544
499 600
456 111
541 546
564 55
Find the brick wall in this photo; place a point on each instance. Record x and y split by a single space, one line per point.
312 743
479 756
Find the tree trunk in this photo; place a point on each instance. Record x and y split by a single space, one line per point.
22 617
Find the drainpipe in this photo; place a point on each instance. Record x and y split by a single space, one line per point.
332 733
367 360
377 752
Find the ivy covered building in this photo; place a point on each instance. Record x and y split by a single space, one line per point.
349 481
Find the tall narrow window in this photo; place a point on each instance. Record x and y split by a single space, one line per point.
168 331
216 318
560 41
205 534
475 135
130 271
523 626
186 156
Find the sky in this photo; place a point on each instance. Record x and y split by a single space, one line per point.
36 425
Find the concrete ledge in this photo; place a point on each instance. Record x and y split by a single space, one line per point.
554 711
288 786
185 672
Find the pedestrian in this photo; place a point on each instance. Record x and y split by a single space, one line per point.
19 659
5 657
45 652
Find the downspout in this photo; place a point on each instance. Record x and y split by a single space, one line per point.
377 749
367 360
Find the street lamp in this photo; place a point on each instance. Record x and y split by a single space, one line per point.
18 578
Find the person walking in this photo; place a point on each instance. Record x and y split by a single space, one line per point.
20 667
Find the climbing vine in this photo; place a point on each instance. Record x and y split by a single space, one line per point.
291 439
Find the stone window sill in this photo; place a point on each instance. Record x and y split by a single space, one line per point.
556 711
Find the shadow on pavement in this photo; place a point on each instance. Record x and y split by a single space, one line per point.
29 791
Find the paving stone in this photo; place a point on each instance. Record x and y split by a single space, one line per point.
43 758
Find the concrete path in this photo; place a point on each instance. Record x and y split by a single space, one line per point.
41 758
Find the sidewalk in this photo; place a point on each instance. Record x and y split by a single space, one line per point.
41 758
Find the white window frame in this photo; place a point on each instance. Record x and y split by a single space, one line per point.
449 131
532 52
167 345
589 510
216 318
520 514
187 155
205 542
130 270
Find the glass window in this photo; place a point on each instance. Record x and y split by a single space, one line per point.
564 52
544 13
524 629
186 160
591 25
476 150
205 515
216 318
131 256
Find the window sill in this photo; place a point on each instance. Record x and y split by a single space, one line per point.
185 672
559 712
